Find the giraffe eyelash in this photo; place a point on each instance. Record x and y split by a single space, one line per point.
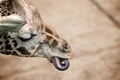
27 39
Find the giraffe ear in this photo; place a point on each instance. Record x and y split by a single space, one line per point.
11 23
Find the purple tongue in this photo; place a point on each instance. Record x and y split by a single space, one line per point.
59 63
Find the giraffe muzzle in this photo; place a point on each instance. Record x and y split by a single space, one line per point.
60 63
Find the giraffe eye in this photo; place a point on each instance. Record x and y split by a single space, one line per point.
26 37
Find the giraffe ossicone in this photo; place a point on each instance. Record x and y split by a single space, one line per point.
23 33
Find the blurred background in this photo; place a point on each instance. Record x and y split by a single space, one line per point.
92 28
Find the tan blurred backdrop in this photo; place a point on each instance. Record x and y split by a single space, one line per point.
92 27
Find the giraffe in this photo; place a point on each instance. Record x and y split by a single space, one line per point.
23 33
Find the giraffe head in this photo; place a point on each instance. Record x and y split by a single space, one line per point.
47 43
35 38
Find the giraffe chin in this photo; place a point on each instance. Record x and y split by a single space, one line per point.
60 63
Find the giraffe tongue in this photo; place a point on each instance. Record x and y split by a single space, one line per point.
59 63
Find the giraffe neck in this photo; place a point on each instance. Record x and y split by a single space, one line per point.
9 45
5 44
6 8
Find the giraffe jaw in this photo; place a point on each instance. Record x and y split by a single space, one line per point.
59 62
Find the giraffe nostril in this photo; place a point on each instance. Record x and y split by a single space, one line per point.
66 49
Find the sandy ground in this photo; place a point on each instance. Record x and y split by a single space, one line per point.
93 31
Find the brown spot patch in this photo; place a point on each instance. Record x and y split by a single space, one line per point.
56 35
1 42
5 37
9 36
48 38
54 43
7 53
7 42
15 43
2 48
48 30
42 27
0 36
23 51
8 47
3 52
14 53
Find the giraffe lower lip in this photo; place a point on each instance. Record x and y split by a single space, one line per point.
60 63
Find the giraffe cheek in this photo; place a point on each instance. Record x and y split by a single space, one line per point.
24 51
32 47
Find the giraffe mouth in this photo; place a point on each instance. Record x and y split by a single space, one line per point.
60 63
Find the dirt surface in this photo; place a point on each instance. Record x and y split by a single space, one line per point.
91 27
